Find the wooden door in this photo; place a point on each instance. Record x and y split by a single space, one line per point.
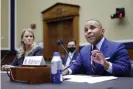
60 22
59 30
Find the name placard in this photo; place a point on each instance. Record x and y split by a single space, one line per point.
34 60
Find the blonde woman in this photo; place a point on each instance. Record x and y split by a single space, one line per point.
28 48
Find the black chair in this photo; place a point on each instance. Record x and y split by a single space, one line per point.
131 68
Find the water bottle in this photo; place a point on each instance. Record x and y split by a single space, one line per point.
56 68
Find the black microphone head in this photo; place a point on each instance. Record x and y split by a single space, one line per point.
59 42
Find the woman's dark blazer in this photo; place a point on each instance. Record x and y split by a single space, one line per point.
38 51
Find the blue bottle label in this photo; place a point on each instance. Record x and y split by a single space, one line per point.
57 78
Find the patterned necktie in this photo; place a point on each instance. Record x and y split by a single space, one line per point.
93 63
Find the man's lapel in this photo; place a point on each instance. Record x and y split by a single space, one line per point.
73 58
65 59
104 47
89 49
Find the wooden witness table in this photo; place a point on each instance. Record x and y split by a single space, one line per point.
30 74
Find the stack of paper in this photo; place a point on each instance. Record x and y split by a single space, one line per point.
88 79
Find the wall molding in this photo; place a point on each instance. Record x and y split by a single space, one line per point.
128 43
11 28
124 41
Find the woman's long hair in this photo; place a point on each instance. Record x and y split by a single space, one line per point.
21 49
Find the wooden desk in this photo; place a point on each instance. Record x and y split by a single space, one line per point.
120 83
32 74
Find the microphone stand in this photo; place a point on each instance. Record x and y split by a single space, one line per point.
67 67
66 52
4 56
59 42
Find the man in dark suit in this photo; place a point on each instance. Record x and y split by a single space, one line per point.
101 56
72 54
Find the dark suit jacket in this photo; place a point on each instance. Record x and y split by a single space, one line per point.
64 59
38 51
119 58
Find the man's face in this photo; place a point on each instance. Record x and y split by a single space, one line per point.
28 38
71 44
93 32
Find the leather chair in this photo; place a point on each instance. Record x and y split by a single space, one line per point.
131 68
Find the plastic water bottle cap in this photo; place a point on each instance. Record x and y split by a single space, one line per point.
56 54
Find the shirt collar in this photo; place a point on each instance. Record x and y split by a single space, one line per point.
99 44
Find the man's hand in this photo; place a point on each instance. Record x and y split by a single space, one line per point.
99 58
65 72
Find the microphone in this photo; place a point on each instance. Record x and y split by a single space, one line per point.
60 43
5 56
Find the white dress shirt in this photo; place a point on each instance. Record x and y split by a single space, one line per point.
70 56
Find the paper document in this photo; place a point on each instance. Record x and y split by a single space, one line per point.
76 78
88 79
